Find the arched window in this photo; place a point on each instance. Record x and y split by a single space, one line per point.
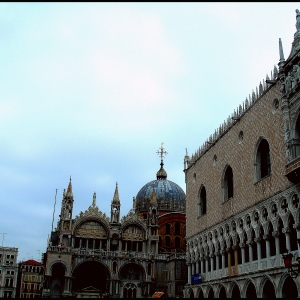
263 162
202 202
168 229
168 241
177 242
177 228
228 184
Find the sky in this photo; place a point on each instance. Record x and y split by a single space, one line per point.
91 90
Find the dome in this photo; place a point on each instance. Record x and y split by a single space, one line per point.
169 195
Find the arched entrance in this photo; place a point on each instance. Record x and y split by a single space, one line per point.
222 293
289 289
250 292
200 294
268 290
91 275
57 280
133 274
235 292
210 293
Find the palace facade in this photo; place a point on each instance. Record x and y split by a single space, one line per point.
243 189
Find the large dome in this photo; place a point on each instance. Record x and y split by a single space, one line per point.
169 195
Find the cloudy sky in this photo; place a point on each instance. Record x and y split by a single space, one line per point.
91 90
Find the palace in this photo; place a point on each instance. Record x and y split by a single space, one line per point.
93 255
243 189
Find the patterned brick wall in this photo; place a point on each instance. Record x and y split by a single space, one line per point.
259 121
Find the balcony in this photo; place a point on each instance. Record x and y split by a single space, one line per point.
292 171
249 267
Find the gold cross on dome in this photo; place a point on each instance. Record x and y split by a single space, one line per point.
160 152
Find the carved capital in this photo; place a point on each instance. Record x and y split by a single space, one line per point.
275 233
286 230
266 237
296 226
249 243
235 247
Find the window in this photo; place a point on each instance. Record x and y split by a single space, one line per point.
177 242
168 229
202 202
177 228
263 163
168 241
228 184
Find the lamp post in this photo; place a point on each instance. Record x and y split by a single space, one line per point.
288 263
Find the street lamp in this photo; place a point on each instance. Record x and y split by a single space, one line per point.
287 260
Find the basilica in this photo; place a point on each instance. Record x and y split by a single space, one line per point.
93 255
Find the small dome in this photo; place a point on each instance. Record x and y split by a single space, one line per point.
161 173
169 195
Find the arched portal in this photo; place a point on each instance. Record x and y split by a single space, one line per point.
91 274
268 290
250 292
134 273
57 280
289 289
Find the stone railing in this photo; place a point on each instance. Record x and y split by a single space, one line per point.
110 254
255 266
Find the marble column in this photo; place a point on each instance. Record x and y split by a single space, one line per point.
189 274
223 252
286 231
206 263
197 267
201 265
277 245
217 260
268 250
211 262
258 243
242 245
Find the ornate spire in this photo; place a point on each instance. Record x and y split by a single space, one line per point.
94 200
69 190
116 199
161 174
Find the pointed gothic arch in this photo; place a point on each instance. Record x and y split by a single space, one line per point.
262 160
227 183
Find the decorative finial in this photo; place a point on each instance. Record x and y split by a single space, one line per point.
281 56
160 152
69 190
94 200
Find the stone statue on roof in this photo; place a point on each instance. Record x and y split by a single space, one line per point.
297 20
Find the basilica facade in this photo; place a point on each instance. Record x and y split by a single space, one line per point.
243 189
94 255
